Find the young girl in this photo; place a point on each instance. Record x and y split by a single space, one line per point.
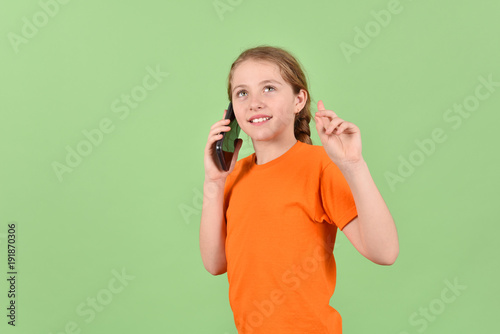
271 220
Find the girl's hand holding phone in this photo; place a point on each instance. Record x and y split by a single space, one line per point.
212 169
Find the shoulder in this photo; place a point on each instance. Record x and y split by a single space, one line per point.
315 154
320 164
240 166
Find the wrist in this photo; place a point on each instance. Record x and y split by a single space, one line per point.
218 182
352 167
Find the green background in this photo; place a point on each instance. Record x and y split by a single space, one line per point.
134 202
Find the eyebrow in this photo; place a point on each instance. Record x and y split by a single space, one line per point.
262 82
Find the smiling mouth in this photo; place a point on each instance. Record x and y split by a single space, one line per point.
260 120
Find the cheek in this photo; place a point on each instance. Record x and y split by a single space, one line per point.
287 114
284 107
242 121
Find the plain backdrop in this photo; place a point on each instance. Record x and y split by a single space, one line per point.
105 109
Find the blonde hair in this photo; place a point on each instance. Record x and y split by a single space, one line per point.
291 72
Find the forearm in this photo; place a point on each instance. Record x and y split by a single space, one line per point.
376 225
213 228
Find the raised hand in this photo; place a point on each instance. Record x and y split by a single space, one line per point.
341 140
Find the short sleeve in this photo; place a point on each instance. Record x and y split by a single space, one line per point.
338 202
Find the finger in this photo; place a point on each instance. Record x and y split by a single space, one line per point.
326 116
346 127
326 113
321 106
212 140
219 129
324 123
224 116
334 124
210 147
339 128
319 124
219 123
216 133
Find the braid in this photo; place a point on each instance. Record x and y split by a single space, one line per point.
301 127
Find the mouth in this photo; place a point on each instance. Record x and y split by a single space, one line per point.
260 120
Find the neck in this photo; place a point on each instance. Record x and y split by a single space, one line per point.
266 151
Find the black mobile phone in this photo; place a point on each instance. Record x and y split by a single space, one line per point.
225 146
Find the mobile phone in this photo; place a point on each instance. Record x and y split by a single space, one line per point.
225 146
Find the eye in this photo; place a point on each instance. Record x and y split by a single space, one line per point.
270 87
238 93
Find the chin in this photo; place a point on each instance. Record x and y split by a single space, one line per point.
263 137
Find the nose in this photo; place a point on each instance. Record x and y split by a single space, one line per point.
255 103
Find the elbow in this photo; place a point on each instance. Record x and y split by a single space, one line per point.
389 255
386 262
386 259
213 264
389 259
216 271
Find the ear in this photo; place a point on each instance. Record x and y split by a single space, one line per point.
300 100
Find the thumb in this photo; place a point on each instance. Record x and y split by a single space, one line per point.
319 124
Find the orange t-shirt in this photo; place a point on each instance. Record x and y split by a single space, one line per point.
282 219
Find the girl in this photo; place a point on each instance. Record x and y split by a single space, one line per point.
270 222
